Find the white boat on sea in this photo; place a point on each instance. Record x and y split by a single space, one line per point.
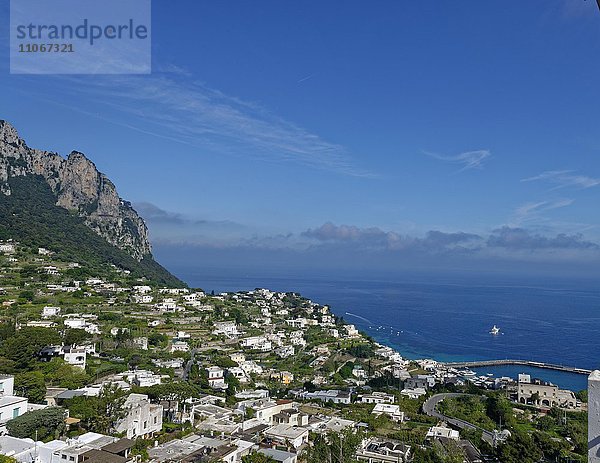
495 330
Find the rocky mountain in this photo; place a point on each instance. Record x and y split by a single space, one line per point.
78 187
69 207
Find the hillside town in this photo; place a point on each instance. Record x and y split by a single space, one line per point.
106 367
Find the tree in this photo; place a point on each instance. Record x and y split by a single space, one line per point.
158 340
172 392
102 413
6 459
519 448
334 446
27 295
140 447
24 345
499 409
47 422
257 457
62 374
75 336
32 385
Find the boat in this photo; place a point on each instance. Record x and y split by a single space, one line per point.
495 330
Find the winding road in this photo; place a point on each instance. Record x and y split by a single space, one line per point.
430 408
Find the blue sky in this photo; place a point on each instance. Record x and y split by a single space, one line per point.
341 134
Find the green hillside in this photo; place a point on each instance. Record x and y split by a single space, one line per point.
29 215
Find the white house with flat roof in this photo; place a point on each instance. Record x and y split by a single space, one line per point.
11 406
393 411
441 431
284 433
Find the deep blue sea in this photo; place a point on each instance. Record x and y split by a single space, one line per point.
448 320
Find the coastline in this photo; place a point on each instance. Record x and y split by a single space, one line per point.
409 350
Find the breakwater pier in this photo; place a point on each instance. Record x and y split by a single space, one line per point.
527 363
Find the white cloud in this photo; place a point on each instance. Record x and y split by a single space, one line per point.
468 159
529 209
565 178
169 106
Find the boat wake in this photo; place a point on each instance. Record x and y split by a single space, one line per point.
358 316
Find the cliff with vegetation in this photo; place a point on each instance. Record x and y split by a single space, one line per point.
69 207
78 187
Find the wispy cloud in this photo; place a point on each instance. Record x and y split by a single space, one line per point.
530 209
305 78
468 159
565 178
169 105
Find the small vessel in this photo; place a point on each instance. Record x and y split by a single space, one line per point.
495 330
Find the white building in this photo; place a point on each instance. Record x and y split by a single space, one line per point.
11 406
439 431
141 342
142 289
297 323
82 324
75 356
48 312
143 298
377 398
86 447
259 343
116 330
179 346
280 456
351 331
228 328
238 373
7 248
284 433
238 357
393 411
285 351
413 393
251 367
216 377
143 419
332 395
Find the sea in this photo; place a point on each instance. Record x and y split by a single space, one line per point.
449 318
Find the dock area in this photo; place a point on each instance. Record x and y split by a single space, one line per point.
527 363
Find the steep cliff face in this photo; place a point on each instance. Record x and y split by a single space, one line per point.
78 186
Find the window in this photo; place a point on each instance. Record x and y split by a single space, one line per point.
145 424
16 412
71 458
64 457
